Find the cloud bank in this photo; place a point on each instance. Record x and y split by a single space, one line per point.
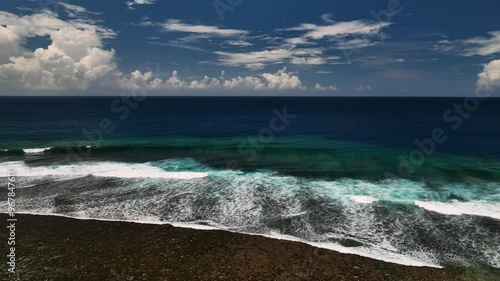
489 78
281 80
75 58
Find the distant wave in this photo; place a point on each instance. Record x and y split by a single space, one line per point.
35 150
20 151
98 169
110 148
321 160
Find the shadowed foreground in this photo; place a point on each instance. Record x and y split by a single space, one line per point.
55 248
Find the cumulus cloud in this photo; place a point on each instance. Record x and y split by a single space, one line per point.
325 88
281 80
364 88
75 58
489 78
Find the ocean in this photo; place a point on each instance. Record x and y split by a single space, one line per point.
414 181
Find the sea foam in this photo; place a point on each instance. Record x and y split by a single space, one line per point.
99 169
35 150
456 208
364 199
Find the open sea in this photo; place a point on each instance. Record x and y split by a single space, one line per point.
414 181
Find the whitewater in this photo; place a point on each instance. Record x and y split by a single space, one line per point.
396 220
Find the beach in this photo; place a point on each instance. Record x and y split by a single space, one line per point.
58 248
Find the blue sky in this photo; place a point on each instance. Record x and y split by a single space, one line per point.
249 47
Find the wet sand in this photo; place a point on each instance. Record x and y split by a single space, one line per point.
56 248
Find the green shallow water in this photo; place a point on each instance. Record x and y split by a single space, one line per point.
302 156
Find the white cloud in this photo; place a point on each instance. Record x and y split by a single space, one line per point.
308 60
477 46
177 45
298 41
484 46
239 43
355 44
245 83
328 18
325 88
364 88
339 29
489 78
302 49
254 60
75 11
132 3
281 80
174 25
75 58
315 60
259 59
341 35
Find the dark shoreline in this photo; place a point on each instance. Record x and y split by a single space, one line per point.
57 248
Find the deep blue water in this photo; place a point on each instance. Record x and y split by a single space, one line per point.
390 122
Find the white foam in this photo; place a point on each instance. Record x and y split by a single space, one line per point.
363 199
381 255
98 169
456 208
291 215
35 150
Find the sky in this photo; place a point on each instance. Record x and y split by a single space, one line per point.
250 47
